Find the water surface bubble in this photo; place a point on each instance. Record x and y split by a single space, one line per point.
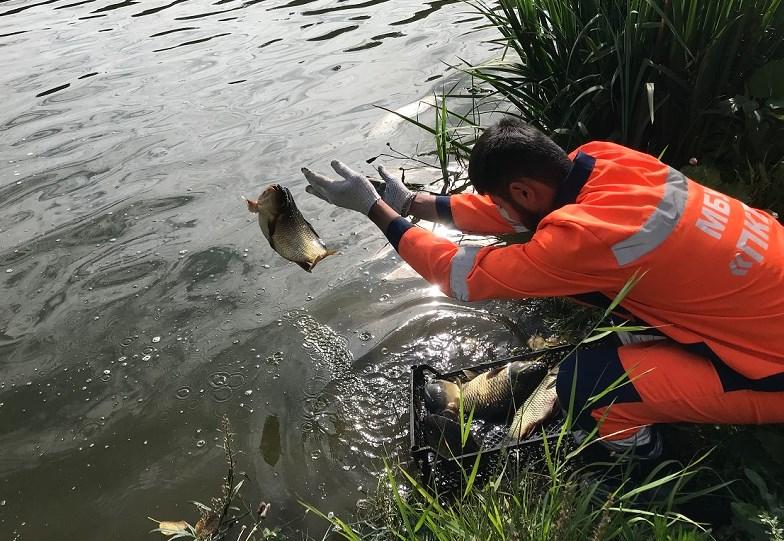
201 443
156 339
9 271
365 336
235 380
183 392
147 357
219 379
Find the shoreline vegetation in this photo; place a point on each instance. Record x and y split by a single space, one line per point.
699 84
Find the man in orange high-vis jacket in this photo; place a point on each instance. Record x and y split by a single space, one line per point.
712 272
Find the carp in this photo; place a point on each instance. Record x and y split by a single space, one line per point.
491 394
537 408
287 231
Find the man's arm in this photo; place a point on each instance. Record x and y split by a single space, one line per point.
382 215
558 263
467 212
424 207
561 259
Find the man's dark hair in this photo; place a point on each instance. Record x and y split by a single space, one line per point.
512 149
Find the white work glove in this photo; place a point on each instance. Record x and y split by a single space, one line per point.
353 192
396 195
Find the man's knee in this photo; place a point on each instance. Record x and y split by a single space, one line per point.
565 383
583 379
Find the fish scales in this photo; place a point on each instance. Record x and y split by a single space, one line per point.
295 239
539 407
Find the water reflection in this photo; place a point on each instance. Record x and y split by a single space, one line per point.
140 302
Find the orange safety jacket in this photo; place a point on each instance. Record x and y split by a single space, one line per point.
714 267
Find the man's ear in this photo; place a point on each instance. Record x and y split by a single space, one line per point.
521 192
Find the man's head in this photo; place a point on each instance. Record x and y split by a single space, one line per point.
520 168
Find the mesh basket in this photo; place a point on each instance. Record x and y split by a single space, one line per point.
447 474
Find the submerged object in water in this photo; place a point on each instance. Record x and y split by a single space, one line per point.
490 394
270 440
287 231
444 436
538 408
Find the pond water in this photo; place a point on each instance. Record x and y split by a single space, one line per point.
140 303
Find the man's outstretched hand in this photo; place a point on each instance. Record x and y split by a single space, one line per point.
396 195
353 191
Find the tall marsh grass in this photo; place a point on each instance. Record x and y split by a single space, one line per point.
680 79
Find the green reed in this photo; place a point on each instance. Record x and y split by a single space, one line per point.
675 78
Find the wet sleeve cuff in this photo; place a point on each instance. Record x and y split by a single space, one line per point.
396 230
444 210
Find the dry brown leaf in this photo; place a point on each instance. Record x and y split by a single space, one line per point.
170 527
207 525
537 342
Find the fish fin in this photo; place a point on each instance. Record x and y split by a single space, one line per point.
288 200
470 374
493 372
307 265
253 206
307 223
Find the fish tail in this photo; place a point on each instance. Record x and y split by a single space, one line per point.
319 258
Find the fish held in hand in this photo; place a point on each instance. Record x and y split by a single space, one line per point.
491 394
287 231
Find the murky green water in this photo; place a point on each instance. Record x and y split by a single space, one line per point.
139 302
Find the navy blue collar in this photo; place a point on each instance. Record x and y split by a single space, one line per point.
582 167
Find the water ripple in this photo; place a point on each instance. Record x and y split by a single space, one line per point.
192 42
121 221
